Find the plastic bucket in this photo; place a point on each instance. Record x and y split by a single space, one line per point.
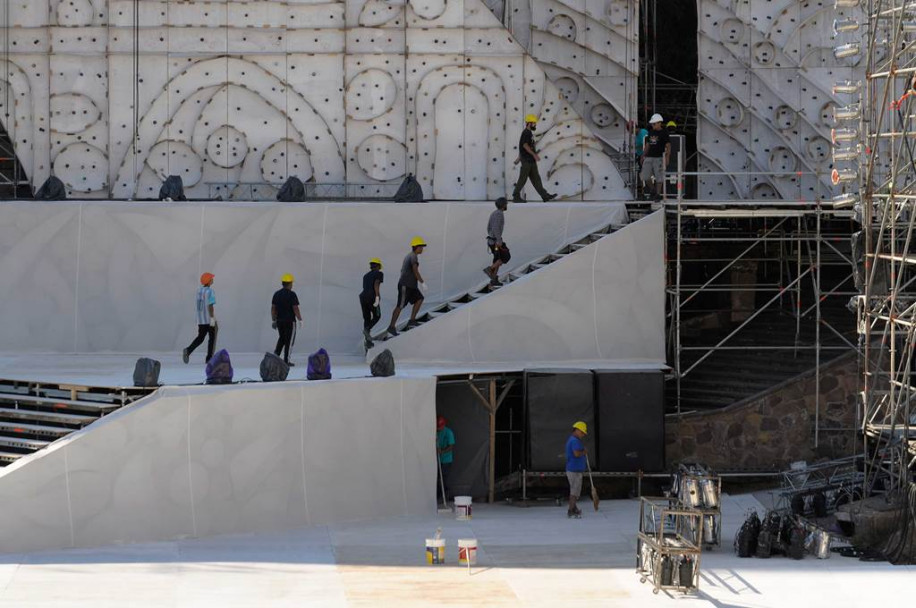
467 551
463 507
435 551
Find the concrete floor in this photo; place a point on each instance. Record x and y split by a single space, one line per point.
529 557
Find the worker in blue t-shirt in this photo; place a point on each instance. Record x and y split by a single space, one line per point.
575 466
445 448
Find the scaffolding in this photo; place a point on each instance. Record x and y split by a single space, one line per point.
882 109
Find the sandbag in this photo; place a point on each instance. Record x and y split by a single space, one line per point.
146 372
383 364
273 368
52 190
293 191
319 367
219 368
410 191
172 188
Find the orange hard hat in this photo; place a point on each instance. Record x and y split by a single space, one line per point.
206 278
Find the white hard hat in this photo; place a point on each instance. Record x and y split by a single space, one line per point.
656 118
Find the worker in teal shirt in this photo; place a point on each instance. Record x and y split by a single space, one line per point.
445 444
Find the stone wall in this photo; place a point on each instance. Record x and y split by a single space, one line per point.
771 430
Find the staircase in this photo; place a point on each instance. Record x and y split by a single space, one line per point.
484 288
14 183
33 415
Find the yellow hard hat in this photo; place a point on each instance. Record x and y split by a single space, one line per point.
287 278
376 261
531 118
581 426
417 241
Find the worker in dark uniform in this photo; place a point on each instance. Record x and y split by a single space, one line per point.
495 243
528 157
284 310
411 286
370 299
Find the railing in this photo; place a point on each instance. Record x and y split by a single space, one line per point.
266 191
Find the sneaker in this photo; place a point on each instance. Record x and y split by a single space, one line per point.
185 356
412 323
549 198
291 364
391 330
573 514
489 272
517 199
495 282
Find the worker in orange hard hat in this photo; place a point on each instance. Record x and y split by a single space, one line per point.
528 157
206 318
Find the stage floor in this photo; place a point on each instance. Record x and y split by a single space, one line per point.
118 369
528 557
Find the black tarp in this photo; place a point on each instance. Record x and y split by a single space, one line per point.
631 420
470 421
554 400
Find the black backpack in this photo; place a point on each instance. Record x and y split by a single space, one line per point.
172 188
410 191
746 539
146 372
293 191
383 364
52 190
319 366
273 368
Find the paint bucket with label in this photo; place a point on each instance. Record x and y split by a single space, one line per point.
463 507
467 551
435 551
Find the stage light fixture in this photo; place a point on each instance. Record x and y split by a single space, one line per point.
847 86
847 153
850 112
845 200
843 134
847 50
840 176
845 25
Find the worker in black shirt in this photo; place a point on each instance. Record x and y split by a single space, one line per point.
284 310
528 157
657 151
369 299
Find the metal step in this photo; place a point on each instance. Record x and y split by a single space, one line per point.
59 417
9 441
20 428
59 404
8 457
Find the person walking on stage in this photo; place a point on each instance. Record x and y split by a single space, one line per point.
528 157
656 153
410 286
575 466
370 298
284 310
206 318
498 247
445 447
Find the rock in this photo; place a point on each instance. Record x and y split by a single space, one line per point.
769 424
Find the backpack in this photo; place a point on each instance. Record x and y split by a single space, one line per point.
293 191
146 372
410 191
319 367
172 188
746 539
219 368
273 368
52 190
383 364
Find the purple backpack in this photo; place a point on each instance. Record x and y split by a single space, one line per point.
319 366
219 368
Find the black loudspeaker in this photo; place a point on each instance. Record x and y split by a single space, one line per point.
146 372
631 420
554 400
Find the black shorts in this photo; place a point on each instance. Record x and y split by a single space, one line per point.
502 254
408 295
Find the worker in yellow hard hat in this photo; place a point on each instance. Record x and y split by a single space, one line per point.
575 466
528 157
671 126
411 286
206 318
284 312
370 299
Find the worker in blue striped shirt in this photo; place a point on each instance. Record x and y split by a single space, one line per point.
206 318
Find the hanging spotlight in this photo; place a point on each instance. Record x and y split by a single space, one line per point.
843 134
847 153
847 199
845 25
839 176
850 112
846 50
847 86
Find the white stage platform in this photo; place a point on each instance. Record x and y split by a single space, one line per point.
528 557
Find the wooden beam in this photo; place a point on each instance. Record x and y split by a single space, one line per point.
483 400
505 393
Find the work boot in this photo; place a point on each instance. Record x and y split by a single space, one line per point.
495 282
291 364
573 514
489 272
412 323
549 197
185 356
392 331
517 198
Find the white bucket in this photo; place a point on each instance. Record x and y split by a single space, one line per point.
435 551
463 507
467 551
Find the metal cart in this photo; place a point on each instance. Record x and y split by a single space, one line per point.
668 545
699 489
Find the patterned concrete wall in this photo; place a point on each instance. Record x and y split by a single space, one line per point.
765 102
360 91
